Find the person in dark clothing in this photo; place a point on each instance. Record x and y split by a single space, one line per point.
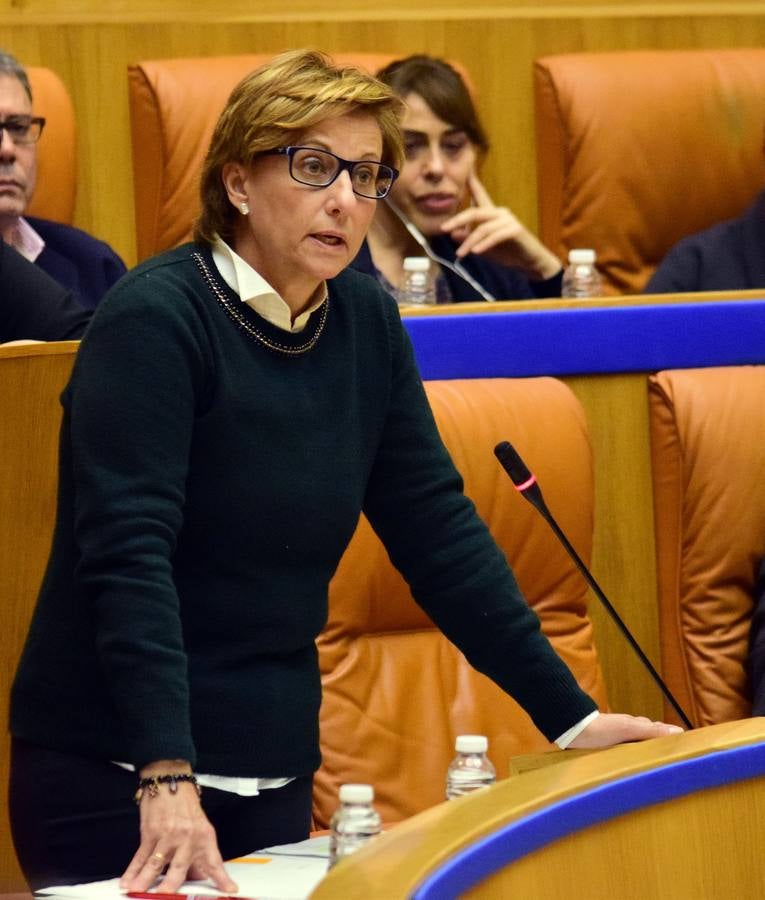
236 404
729 256
439 207
33 306
86 266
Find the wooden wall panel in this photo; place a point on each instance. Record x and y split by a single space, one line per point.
91 47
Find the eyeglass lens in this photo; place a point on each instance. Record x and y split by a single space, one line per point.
22 129
321 168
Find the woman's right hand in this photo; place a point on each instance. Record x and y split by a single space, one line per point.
175 833
495 231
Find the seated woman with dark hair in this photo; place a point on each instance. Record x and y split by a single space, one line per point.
439 208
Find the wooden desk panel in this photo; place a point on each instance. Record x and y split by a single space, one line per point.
675 817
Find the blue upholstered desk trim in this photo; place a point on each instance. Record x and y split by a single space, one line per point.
588 808
588 341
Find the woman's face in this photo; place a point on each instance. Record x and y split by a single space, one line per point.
297 235
432 185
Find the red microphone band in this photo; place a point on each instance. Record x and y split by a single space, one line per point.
526 484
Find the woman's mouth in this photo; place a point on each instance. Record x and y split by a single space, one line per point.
436 204
329 239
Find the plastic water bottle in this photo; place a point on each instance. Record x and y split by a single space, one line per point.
580 277
471 768
354 823
417 288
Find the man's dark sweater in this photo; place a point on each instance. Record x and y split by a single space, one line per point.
77 260
729 256
209 485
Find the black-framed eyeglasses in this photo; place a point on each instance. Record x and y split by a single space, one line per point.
319 168
22 129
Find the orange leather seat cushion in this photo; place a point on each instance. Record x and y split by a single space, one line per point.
638 149
708 457
396 692
54 195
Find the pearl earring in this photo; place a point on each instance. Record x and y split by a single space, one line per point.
244 208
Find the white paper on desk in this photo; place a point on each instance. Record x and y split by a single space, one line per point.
315 846
281 878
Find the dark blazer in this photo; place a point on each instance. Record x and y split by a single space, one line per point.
85 265
501 282
33 306
729 256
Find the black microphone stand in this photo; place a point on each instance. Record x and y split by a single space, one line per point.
526 483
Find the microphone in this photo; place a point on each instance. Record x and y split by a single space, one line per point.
526 483
454 266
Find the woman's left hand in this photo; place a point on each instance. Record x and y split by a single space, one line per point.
495 231
616 728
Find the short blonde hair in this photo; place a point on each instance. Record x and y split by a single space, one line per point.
272 105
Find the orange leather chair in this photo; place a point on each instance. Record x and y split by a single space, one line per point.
396 692
708 456
54 195
638 149
174 105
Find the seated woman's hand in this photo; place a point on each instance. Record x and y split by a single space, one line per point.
496 232
616 728
176 836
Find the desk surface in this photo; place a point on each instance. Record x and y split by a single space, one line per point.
408 861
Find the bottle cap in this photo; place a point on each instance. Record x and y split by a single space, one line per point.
581 256
356 793
416 264
471 743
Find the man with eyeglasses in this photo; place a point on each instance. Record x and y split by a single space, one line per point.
86 266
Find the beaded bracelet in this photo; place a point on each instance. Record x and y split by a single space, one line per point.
152 785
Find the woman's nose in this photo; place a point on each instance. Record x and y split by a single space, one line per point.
434 163
341 190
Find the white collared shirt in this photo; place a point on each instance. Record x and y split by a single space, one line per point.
257 293
26 241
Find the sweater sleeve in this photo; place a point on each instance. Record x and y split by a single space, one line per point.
137 385
678 272
33 306
456 572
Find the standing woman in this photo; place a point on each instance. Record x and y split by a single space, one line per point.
438 194
235 405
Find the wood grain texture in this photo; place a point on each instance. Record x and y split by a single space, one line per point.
704 846
31 379
90 47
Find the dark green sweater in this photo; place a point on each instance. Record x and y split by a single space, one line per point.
208 487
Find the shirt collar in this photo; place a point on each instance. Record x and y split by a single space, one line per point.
26 241
257 293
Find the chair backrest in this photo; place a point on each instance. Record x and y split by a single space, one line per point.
31 379
174 105
56 188
638 149
708 457
396 692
